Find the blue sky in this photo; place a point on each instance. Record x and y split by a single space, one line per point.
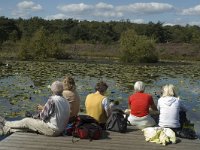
169 12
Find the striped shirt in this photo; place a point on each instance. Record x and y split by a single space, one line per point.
48 110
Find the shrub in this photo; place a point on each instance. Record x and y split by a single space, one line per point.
24 50
135 48
42 45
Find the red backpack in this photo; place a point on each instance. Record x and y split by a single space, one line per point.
84 127
90 131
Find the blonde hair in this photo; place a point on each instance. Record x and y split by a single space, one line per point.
169 90
69 83
57 87
139 86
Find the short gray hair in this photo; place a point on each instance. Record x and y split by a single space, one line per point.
57 87
168 90
139 86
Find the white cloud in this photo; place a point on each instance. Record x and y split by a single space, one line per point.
75 8
108 14
29 5
104 6
25 8
20 13
194 23
138 21
144 8
81 9
182 22
56 16
169 24
105 10
191 11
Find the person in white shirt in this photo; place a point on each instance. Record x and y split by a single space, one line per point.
51 119
169 106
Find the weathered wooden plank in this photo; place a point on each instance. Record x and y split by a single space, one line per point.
130 140
116 136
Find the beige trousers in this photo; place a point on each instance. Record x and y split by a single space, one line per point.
141 122
31 124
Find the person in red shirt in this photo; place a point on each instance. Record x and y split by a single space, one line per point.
139 104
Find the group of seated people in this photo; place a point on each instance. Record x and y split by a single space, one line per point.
64 105
144 113
142 110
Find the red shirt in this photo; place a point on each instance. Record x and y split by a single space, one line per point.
140 103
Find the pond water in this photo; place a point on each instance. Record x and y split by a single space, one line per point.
25 84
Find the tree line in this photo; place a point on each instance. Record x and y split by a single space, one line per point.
45 36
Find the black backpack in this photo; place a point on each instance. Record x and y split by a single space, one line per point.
187 133
117 121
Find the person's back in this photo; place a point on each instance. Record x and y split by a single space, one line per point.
173 114
71 95
169 112
94 107
97 105
140 103
169 107
74 101
60 117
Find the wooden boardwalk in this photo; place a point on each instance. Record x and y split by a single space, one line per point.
133 140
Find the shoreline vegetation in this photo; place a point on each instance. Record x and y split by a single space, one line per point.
70 39
110 53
